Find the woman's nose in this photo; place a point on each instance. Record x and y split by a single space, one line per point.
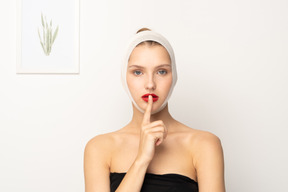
150 83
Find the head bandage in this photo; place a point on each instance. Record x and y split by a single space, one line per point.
134 41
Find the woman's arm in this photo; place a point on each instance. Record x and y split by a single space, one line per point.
152 135
96 166
209 164
134 178
97 157
97 171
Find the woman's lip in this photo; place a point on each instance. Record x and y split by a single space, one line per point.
145 97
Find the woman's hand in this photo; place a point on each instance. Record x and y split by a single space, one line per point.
152 135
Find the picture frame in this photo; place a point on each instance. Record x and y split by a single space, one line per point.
48 34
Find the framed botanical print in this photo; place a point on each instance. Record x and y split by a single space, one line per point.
48 36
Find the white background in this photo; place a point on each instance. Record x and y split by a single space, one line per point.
232 68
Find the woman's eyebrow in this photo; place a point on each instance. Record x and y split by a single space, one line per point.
138 66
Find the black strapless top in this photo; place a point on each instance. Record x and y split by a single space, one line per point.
159 183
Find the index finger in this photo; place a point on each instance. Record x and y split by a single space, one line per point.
147 114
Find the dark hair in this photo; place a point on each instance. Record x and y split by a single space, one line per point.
149 42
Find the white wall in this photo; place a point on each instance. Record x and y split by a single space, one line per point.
232 66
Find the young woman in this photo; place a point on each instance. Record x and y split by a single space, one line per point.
154 152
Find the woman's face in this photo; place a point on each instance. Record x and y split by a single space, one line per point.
149 71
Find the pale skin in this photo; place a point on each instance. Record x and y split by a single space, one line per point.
155 143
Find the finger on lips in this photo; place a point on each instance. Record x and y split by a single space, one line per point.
157 127
147 114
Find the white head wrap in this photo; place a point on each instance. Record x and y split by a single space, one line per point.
134 41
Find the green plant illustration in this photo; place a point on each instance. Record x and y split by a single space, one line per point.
48 39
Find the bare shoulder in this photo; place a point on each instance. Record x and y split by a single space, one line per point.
104 144
206 148
199 135
205 138
101 143
208 160
199 139
99 139
97 156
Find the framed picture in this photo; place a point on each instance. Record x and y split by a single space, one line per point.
48 36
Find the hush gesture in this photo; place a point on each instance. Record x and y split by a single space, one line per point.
152 134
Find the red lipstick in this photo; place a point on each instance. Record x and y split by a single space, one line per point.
145 97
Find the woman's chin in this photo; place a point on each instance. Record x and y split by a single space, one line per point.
144 105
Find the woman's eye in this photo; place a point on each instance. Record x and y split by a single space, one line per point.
137 72
163 72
